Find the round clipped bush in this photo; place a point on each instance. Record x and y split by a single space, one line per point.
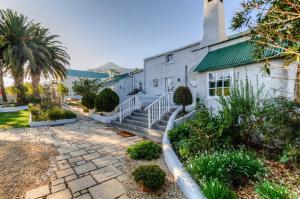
183 96
145 150
107 100
150 176
88 100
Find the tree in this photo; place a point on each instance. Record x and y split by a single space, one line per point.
88 100
274 26
2 72
183 96
62 91
107 100
84 86
15 33
51 58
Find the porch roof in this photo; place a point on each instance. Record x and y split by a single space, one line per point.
233 56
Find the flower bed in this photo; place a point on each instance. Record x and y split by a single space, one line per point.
246 151
52 116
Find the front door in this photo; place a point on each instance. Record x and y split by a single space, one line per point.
169 87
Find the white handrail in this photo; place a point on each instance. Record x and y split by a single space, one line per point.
158 108
128 106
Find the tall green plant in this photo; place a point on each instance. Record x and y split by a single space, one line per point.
241 108
84 85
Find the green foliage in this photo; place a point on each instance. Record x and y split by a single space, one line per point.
88 100
269 190
291 155
183 96
213 189
57 113
54 113
240 110
85 85
274 26
179 133
234 168
62 90
152 176
107 100
145 150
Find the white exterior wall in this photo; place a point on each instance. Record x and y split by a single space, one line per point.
157 68
127 85
281 82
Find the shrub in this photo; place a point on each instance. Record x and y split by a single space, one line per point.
183 96
107 100
37 113
291 155
269 190
88 100
179 133
213 189
152 176
234 168
146 150
57 113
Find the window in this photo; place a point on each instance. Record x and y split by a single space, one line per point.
155 83
140 86
219 83
170 58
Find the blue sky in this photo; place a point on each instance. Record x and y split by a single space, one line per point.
121 31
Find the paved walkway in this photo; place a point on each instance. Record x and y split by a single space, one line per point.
90 165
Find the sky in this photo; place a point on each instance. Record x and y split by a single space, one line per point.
121 31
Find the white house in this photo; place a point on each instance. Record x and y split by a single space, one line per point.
75 75
126 84
213 62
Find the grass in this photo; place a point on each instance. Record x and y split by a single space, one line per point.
14 120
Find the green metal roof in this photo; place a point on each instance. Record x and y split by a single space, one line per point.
232 56
86 74
114 79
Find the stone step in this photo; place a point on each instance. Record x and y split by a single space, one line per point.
135 122
143 119
144 115
163 122
159 127
152 134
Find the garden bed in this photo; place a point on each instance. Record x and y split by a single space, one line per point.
51 117
245 151
169 190
24 166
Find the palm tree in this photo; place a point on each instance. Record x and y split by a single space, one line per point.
50 57
16 31
2 72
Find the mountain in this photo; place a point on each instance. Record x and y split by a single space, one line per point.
110 66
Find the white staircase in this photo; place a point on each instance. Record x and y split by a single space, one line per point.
144 117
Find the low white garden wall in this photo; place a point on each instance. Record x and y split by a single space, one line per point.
100 118
52 123
185 182
13 109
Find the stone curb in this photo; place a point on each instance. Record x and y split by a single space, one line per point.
183 179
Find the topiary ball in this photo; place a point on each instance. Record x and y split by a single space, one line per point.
152 176
107 100
88 100
145 150
183 96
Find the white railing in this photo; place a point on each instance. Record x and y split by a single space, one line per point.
128 106
158 108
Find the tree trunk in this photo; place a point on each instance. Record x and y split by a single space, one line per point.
297 85
19 84
2 88
35 81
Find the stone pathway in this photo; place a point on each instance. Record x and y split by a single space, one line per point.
90 164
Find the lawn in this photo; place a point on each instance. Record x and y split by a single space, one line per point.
14 120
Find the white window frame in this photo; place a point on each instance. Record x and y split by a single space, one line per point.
169 62
216 84
153 82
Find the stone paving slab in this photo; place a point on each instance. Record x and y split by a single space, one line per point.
89 162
